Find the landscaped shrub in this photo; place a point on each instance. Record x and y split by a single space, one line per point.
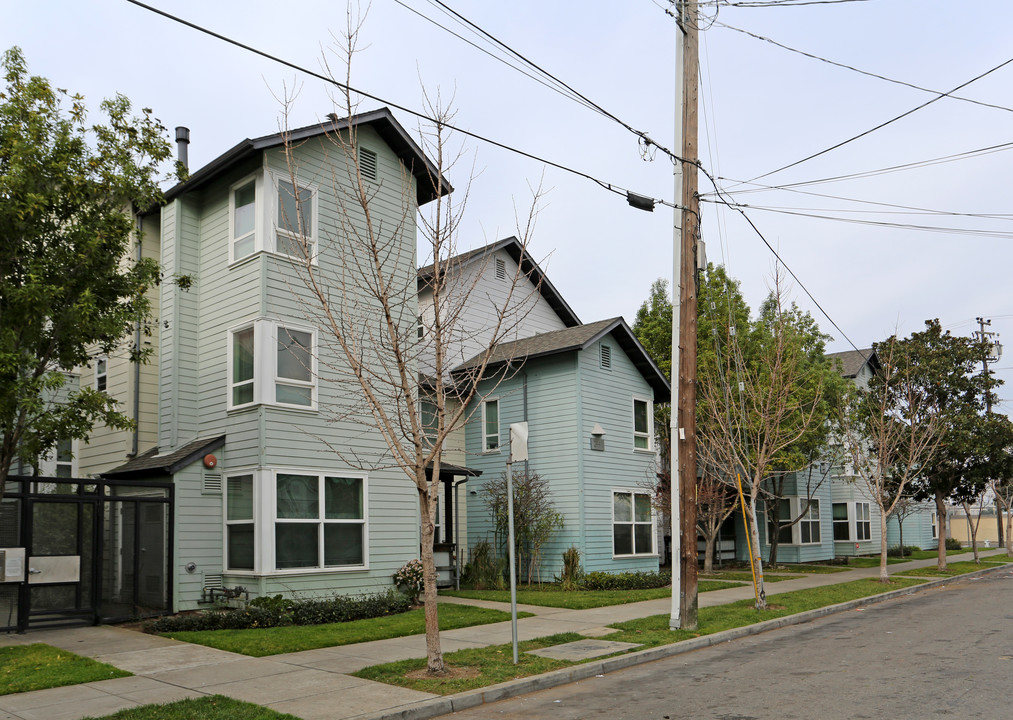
953 544
275 611
572 573
625 581
410 578
485 571
896 552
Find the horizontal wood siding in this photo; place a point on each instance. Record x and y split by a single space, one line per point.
607 400
917 528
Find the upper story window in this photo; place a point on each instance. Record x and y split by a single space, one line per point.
643 421
490 425
272 363
101 373
284 222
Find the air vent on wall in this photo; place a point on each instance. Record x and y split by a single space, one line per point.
606 357
500 269
212 483
367 163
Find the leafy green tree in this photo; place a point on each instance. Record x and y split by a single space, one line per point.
653 328
974 447
68 192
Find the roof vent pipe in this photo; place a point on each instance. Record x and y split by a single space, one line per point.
182 140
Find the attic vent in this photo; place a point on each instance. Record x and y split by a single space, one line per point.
606 357
500 269
212 483
367 163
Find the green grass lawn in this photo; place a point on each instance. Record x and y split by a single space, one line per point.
212 707
806 569
867 561
952 568
39 666
495 664
549 595
258 642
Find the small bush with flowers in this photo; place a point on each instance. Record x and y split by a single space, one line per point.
409 579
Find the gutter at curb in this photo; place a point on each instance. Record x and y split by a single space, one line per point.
445 705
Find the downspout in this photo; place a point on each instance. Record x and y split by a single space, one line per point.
135 440
524 374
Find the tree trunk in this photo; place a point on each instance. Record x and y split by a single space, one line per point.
973 530
754 532
884 576
940 531
900 530
708 553
1009 534
434 654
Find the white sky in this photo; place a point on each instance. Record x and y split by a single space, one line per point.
762 107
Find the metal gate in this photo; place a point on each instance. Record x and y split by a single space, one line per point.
82 551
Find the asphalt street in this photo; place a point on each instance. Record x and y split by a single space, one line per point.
944 652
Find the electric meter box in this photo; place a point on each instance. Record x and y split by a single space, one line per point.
12 564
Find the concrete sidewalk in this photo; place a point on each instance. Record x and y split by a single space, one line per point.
315 684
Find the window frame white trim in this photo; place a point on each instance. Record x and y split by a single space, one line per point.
632 492
270 486
265 365
848 522
649 435
257 178
794 510
499 426
801 519
104 359
254 520
273 208
860 521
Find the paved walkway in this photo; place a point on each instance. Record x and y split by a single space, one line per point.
315 684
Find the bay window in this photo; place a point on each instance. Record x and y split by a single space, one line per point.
280 220
320 521
272 363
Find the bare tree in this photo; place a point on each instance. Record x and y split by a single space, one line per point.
716 501
390 360
890 431
905 507
972 525
764 401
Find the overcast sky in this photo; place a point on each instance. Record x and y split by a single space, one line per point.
762 107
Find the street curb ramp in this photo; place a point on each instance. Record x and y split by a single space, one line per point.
436 707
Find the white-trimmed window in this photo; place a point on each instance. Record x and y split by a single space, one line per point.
295 219
809 524
490 425
284 223
320 521
863 521
632 523
781 522
643 424
243 239
935 526
842 523
273 363
101 372
240 536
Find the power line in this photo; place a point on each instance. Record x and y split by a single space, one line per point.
860 71
611 187
884 124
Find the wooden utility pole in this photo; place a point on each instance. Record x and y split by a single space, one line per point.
985 337
684 403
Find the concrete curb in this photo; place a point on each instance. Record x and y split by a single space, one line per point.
472 698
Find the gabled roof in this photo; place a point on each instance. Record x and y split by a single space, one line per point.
512 246
381 120
852 361
150 463
580 337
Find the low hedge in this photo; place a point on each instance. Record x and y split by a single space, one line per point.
599 580
277 611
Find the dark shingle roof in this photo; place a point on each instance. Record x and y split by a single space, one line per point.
852 361
578 338
381 120
150 463
512 246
